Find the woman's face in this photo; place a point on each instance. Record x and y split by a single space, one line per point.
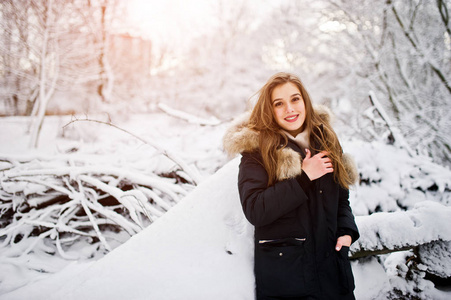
288 106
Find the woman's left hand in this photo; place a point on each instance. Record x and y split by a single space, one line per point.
344 240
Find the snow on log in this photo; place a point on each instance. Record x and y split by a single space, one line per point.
384 232
67 197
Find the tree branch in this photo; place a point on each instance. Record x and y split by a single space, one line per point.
397 136
444 14
431 64
194 174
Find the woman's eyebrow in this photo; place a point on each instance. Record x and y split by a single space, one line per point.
297 94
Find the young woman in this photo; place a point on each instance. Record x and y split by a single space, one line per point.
293 183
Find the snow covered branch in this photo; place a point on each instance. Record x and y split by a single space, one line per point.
192 172
394 132
385 232
428 60
68 198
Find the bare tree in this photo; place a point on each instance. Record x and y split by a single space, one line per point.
53 45
48 59
408 49
44 50
100 13
18 84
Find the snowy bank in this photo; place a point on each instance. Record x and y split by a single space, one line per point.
201 249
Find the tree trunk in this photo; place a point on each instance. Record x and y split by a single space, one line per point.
44 94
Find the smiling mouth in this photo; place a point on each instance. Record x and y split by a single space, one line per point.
292 118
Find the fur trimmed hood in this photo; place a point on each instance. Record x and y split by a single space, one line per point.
240 138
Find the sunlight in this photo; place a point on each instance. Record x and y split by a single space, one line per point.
167 20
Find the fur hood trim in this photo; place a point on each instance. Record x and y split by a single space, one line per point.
240 138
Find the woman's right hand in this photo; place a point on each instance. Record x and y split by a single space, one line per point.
316 166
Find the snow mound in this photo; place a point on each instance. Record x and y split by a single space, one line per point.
391 180
185 254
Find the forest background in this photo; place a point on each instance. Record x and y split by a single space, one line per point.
67 57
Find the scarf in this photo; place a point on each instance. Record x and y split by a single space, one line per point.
302 139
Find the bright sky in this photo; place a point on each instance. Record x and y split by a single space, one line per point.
173 21
170 19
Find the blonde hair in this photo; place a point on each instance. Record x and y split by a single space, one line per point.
322 136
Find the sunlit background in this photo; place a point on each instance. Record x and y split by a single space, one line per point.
175 19
182 25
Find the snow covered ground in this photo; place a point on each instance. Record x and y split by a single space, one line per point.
202 247
99 146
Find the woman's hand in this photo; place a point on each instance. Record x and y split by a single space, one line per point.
316 166
344 240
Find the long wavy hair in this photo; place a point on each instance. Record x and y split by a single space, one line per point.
272 139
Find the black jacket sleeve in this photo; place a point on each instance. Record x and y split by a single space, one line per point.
261 204
346 223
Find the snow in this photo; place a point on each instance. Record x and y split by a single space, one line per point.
91 148
391 180
436 258
428 221
370 289
188 117
206 241
202 248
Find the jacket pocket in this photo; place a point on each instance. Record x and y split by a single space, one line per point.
279 267
345 277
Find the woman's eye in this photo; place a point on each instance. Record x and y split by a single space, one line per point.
296 99
277 104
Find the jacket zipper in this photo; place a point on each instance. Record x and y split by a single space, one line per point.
275 240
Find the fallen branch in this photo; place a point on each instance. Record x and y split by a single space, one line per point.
194 174
93 222
80 198
187 117
365 253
